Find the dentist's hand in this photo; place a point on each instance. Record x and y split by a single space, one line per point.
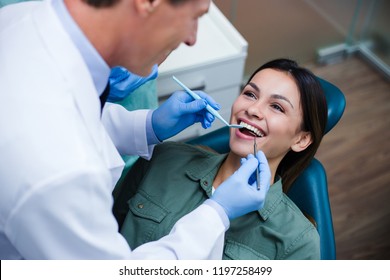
179 112
238 195
123 82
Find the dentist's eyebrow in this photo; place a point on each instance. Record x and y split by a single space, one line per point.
275 96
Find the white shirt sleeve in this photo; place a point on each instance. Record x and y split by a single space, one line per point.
69 217
127 130
198 235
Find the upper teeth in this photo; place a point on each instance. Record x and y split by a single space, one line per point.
252 128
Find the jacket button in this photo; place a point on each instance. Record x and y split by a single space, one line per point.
205 183
140 206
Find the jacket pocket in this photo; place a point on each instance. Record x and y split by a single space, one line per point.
237 251
143 220
142 206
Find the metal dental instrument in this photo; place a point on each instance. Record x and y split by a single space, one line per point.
208 107
258 168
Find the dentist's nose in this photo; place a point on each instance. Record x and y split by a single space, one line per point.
191 38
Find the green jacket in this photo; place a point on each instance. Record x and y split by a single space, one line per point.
179 178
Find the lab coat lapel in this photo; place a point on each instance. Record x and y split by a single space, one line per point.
79 83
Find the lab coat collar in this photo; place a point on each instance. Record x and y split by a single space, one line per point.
79 82
72 66
97 67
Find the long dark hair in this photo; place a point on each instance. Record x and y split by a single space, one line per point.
315 115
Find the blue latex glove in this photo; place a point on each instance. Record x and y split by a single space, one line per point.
236 195
179 112
122 82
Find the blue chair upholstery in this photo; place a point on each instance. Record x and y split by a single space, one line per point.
310 193
310 190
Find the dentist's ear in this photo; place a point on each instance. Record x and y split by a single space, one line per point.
303 141
145 7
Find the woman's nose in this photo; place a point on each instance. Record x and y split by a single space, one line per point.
256 110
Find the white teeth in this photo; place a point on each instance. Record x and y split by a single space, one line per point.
252 128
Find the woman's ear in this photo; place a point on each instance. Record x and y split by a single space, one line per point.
303 141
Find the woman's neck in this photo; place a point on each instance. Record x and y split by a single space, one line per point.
230 165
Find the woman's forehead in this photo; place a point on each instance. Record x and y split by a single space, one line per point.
276 82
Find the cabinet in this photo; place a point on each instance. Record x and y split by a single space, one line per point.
214 65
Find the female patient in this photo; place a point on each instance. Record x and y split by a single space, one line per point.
283 109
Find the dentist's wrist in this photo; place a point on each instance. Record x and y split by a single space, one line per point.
220 210
150 135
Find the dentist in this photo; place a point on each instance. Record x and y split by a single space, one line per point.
61 144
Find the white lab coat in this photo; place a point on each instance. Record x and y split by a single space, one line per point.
58 164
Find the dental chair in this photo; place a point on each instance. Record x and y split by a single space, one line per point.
310 190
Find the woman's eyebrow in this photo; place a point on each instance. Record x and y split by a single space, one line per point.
278 96
254 86
275 96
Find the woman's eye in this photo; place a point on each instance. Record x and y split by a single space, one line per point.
250 94
278 107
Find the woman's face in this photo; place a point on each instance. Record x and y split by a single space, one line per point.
268 106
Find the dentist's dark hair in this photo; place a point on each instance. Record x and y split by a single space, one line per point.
315 116
108 3
101 3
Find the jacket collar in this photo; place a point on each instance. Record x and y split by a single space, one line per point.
273 199
207 169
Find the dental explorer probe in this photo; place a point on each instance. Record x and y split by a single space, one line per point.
258 168
208 107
